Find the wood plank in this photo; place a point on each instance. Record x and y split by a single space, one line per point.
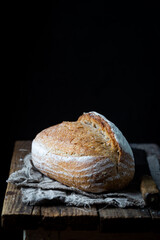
36 211
60 217
80 218
13 208
51 218
120 213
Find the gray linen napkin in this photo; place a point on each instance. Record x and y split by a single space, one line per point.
37 189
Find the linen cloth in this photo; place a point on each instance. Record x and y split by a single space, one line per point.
37 189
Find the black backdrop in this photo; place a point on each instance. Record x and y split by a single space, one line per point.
61 62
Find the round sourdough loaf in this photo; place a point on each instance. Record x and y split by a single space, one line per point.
90 154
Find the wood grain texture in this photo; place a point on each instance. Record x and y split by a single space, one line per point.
60 217
17 215
13 208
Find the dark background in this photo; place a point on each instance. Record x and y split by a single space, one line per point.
63 60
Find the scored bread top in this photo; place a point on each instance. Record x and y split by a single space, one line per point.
109 129
77 139
91 135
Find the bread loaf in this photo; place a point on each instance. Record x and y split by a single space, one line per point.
90 154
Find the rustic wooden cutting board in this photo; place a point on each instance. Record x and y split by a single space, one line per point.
17 215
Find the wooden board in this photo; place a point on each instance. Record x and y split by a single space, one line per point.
17 215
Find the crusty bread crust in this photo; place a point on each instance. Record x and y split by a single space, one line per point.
84 154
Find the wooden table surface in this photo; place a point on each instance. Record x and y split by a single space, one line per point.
15 214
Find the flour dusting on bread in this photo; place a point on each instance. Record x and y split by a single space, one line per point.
118 135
